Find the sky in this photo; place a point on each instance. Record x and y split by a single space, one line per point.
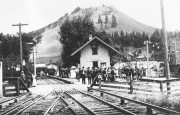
40 13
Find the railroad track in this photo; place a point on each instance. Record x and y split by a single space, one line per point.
83 103
49 81
50 103
60 101
37 105
13 100
65 100
149 107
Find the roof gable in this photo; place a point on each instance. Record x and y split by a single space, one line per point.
90 42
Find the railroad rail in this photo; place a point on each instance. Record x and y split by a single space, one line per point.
35 105
38 104
84 103
49 81
147 105
66 100
12 100
62 101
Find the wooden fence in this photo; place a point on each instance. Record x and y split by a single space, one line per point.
144 86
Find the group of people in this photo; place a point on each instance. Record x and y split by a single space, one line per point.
134 73
108 74
30 80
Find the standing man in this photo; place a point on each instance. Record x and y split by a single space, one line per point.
104 74
141 72
80 74
83 75
95 74
137 73
89 75
92 74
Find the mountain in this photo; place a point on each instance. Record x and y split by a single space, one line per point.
50 48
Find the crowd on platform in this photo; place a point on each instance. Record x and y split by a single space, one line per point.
108 74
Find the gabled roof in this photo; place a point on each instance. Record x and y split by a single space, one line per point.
90 42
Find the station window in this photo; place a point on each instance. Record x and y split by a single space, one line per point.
94 51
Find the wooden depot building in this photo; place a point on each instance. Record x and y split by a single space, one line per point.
95 53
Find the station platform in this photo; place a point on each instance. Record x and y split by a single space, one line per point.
157 78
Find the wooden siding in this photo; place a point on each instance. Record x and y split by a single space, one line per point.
87 58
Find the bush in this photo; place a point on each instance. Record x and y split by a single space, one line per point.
76 10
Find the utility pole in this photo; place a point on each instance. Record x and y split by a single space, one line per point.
147 47
175 51
20 37
176 37
165 45
34 59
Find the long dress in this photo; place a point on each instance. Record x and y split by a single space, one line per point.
73 74
34 84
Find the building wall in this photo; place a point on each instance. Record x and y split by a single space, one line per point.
87 58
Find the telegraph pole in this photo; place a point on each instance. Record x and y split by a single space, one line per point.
165 45
175 37
20 37
147 48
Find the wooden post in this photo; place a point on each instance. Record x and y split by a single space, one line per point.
94 81
131 86
100 77
122 101
161 86
1 81
17 86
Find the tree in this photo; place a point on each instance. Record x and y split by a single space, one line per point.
74 33
114 23
116 38
127 39
76 10
138 40
157 44
103 36
27 48
99 19
11 45
156 36
122 38
146 37
106 19
10 52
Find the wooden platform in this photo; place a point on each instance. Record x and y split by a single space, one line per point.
157 78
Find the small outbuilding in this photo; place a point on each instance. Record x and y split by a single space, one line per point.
95 53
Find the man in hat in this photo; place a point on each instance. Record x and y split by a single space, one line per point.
89 75
95 74
83 75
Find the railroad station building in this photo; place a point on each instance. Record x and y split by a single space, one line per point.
95 53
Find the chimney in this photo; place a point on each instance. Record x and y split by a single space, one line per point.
90 37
